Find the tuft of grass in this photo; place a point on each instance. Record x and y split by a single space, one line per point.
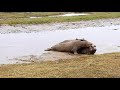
87 66
23 17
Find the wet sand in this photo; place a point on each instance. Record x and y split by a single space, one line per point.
47 56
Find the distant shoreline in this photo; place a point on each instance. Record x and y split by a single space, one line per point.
28 28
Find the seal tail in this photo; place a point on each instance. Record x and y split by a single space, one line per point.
49 49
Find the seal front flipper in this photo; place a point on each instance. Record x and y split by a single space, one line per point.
75 53
74 50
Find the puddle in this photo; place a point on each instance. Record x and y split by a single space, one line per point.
15 45
35 17
70 14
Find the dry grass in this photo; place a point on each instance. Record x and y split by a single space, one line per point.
87 66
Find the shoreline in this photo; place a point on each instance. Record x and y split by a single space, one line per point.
29 28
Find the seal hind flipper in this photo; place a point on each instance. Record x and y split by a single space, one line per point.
49 49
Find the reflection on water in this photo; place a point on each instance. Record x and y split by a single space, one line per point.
107 40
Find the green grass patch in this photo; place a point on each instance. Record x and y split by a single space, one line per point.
24 17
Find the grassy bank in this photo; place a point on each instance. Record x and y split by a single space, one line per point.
87 66
24 18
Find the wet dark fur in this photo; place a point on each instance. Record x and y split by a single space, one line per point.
89 50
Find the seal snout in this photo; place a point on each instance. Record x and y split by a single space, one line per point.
92 49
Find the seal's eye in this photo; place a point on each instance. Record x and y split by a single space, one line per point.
94 46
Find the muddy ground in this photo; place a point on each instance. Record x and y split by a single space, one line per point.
47 56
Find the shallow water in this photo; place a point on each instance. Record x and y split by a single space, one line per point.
13 45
